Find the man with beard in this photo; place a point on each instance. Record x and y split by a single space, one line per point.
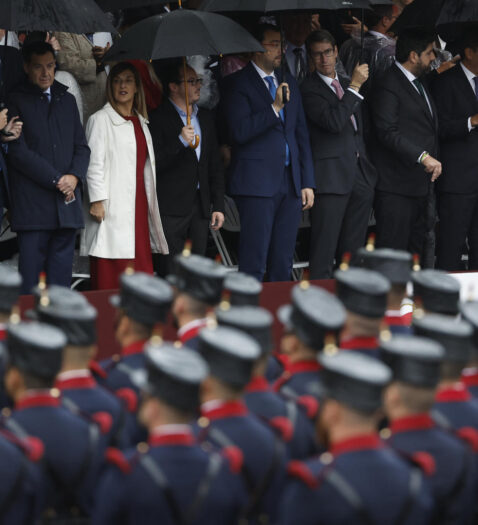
358 480
406 126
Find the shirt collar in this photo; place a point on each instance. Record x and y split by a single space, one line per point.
171 435
262 73
193 326
456 393
183 113
224 409
133 348
414 422
47 91
291 47
469 75
73 374
328 80
356 444
39 398
411 77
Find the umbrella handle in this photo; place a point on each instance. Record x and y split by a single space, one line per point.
195 144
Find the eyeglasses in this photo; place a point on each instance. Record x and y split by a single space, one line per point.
193 81
322 54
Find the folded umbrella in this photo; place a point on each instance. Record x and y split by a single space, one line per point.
70 16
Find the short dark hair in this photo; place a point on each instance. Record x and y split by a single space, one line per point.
170 73
259 31
412 40
319 36
36 48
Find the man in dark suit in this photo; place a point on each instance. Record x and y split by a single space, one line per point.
271 177
47 167
406 126
344 176
456 97
190 180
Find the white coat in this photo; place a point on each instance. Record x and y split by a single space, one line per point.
111 178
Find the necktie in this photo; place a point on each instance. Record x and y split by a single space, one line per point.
300 71
273 91
476 86
48 96
419 86
340 93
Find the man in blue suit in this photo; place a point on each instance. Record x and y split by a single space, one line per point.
271 176
47 170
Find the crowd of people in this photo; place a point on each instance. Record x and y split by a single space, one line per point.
357 131
359 414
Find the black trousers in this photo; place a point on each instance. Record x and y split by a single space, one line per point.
177 230
401 221
338 225
458 214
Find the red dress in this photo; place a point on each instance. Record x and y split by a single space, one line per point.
105 272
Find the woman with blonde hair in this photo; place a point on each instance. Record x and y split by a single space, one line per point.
123 226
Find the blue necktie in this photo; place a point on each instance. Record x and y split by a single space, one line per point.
476 86
273 91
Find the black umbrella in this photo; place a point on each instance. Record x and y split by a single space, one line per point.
419 14
71 16
276 6
115 5
456 14
183 33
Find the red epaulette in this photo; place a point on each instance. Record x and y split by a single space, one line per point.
310 404
97 369
104 420
115 457
425 461
284 426
129 398
235 457
470 435
300 470
31 446
34 448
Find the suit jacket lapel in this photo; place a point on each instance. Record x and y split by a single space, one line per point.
464 84
415 95
257 82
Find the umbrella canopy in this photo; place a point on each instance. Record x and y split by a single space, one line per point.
115 5
455 12
419 14
70 16
275 6
182 33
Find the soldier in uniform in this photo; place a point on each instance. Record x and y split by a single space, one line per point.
313 320
408 400
143 302
283 415
359 480
10 285
198 282
73 453
435 291
454 408
469 311
170 480
226 423
243 289
73 314
396 266
364 294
